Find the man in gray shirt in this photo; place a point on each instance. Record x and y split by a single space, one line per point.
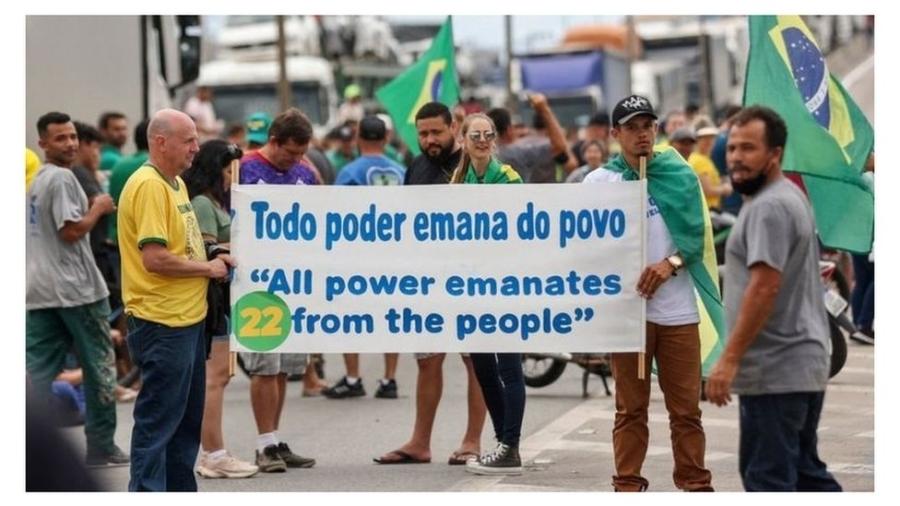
776 358
66 297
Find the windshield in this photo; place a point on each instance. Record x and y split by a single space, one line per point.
248 20
235 103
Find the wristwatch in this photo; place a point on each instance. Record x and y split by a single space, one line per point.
676 262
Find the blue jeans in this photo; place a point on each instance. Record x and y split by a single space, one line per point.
862 299
169 409
778 444
503 385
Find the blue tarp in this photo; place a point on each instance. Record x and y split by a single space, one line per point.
561 72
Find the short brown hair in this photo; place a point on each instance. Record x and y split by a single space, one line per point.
293 125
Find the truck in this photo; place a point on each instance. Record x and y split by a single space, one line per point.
576 83
243 87
87 65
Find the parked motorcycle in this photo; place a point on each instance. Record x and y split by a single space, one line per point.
542 369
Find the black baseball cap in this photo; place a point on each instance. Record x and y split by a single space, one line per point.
599 119
372 128
629 107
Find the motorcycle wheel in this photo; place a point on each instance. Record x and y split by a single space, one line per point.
541 371
838 348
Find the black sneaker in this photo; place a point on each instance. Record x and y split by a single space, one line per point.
504 460
386 389
113 458
270 461
343 390
292 459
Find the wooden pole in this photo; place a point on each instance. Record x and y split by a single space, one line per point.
642 176
235 180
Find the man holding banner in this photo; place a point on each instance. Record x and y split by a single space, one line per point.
679 238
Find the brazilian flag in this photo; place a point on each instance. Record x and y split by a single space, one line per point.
829 138
430 79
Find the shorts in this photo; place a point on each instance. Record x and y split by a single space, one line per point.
270 364
423 356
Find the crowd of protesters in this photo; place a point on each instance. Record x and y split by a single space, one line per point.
129 253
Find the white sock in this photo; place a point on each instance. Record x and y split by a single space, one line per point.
351 380
264 440
216 455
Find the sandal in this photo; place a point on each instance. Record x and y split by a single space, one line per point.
458 458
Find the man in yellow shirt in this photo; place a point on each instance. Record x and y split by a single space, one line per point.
165 275
714 189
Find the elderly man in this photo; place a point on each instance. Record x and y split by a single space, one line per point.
165 276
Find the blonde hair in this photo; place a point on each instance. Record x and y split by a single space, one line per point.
459 174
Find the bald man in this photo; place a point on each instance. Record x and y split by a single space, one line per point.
165 272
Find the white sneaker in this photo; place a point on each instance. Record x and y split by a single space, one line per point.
225 467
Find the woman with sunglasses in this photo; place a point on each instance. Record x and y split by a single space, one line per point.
208 182
499 374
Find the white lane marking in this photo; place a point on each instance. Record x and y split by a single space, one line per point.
845 468
543 439
858 72
606 447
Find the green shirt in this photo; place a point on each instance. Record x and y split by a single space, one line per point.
213 220
109 156
121 171
338 160
496 173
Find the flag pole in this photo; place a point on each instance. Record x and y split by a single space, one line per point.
642 177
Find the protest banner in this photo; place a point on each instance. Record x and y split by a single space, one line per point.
517 268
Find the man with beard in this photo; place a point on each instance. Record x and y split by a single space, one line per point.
440 155
114 127
776 358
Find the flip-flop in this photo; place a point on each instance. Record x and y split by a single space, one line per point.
460 458
405 458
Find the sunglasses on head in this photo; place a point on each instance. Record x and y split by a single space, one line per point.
487 136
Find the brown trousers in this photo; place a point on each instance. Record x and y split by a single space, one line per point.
677 353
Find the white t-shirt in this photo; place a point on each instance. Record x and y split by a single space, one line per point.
205 117
674 302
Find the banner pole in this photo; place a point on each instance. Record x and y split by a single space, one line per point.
642 176
235 180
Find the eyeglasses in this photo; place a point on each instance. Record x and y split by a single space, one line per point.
486 136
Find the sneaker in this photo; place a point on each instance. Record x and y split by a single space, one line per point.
343 390
225 467
292 459
504 460
114 458
386 389
270 461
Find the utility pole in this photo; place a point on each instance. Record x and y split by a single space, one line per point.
510 98
284 87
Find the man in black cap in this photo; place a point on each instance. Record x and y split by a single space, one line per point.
675 232
371 168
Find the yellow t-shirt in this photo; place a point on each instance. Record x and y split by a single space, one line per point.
704 166
152 210
32 164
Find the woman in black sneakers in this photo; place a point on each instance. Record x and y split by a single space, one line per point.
499 374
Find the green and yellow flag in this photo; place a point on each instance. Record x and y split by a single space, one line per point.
829 138
430 79
673 185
